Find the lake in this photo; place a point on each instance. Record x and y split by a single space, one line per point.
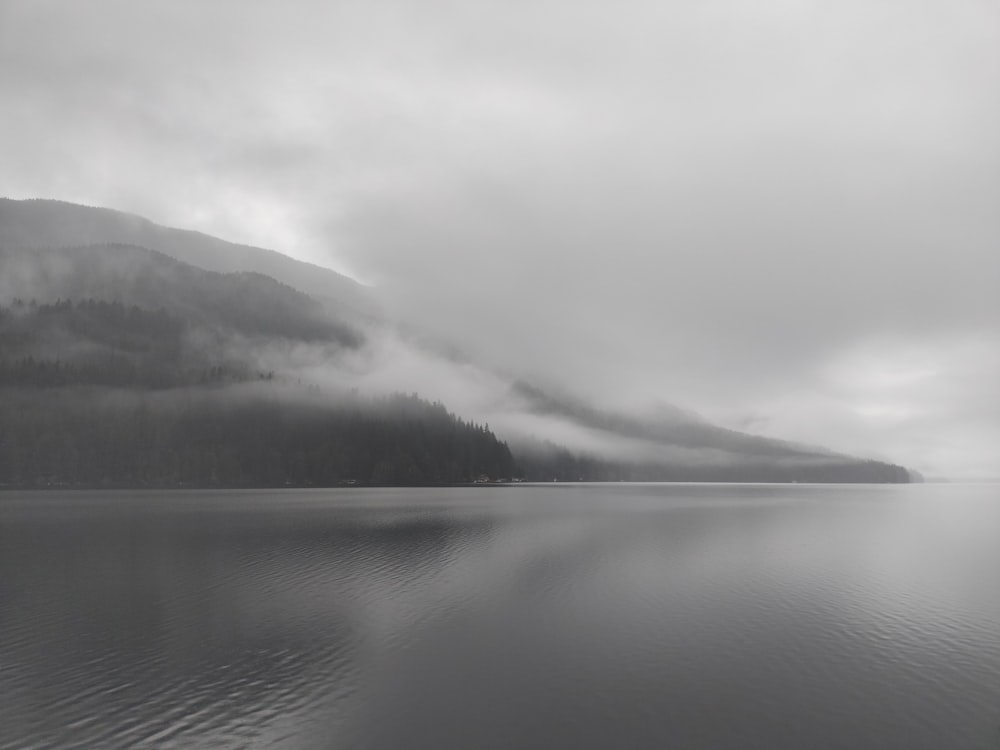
562 616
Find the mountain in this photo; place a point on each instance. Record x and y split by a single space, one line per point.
105 341
668 426
247 302
41 223
119 315
123 367
670 444
107 393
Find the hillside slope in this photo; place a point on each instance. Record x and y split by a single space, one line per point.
50 224
123 316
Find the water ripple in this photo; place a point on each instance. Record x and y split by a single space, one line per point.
582 617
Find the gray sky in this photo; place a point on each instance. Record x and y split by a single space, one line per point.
782 214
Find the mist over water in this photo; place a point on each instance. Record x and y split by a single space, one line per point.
577 616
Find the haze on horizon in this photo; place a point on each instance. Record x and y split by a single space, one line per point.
780 215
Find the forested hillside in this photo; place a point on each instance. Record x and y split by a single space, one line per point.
261 435
133 369
548 462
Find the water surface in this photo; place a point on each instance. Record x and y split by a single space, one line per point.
577 616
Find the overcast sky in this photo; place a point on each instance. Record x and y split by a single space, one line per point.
782 214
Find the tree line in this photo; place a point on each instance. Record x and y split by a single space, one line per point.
103 393
266 437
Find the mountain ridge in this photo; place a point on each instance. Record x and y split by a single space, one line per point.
247 302
43 222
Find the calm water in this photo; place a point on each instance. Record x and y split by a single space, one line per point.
600 616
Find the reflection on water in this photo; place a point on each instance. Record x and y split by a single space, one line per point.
649 616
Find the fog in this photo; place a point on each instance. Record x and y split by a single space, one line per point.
780 215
